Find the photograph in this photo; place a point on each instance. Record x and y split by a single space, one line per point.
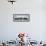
22 22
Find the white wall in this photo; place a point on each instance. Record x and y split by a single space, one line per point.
36 27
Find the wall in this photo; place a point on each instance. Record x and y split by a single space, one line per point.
36 27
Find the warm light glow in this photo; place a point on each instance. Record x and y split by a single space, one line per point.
21 33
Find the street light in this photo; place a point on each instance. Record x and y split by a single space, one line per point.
12 1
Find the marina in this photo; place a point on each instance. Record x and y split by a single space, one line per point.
21 42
